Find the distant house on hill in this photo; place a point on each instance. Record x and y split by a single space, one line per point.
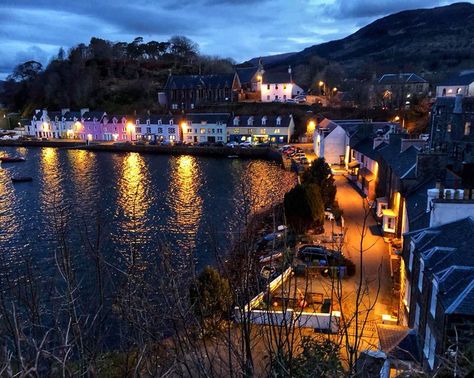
187 91
461 83
279 86
396 90
250 80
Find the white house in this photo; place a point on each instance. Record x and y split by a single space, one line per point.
462 83
278 86
205 127
273 129
158 128
331 142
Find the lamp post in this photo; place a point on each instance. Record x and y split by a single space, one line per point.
322 89
130 129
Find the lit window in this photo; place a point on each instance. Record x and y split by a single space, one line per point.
203 131
448 129
467 128
277 131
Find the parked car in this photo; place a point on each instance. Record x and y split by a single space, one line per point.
313 252
290 101
246 144
232 144
300 99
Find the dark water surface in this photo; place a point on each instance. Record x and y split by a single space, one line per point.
132 199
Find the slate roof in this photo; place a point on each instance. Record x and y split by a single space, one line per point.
89 116
70 116
403 78
461 78
200 81
366 147
400 162
208 117
257 121
276 78
246 74
398 342
456 286
154 118
447 253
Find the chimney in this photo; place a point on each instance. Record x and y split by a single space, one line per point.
64 111
458 104
83 111
289 72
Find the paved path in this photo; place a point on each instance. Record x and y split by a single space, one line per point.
375 265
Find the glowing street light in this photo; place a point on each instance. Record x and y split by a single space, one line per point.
321 83
311 126
130 127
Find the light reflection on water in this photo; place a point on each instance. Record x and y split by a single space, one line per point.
140 199
184 200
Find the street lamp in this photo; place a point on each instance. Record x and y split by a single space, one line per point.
130 129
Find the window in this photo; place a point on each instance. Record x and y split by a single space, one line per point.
420 276
407 296
412 250
268 97
268 86
202 131
277 131
448 129
148 130
171 130
459 90
284 86
190 131
467 128
219 131
160 130
430 346
284 97
276 86
434 294
263 131
138 129
209 131
171 121
236 131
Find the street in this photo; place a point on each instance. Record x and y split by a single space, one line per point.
375 262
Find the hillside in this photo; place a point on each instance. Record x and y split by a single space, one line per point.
428 40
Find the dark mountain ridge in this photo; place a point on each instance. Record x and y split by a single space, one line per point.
424 40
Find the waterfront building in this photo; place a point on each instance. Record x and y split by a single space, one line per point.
158 128
204 127
272 129
46 124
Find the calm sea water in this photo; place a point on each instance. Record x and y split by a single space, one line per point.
191 203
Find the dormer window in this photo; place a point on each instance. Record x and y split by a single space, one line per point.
236 121
264 120
148 121
159 121
171 121
278 121
137 122
250 121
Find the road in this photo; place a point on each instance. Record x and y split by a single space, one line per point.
375 258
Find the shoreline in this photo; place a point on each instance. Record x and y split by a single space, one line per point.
264 153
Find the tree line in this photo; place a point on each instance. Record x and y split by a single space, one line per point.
114 76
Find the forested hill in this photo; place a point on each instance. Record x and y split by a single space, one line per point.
433 41
113 76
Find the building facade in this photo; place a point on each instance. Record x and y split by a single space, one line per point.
462 83
205 127
261 129
279 87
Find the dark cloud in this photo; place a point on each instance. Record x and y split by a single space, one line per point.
240 29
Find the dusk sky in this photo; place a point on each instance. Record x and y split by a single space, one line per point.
240 29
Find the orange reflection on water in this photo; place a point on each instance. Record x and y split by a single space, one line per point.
52 194
133 199
184 199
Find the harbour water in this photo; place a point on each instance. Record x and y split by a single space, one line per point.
194 204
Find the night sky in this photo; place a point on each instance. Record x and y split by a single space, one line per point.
240 29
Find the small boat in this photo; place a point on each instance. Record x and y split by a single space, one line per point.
233 156
11 159
22 179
